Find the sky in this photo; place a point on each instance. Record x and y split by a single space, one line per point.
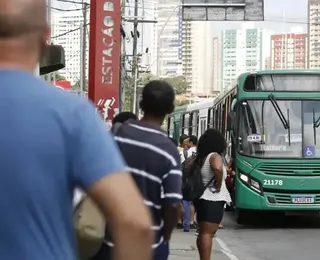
280 15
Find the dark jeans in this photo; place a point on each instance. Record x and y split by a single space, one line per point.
160 253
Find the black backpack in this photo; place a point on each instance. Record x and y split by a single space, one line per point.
192 184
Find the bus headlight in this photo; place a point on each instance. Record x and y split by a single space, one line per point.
255 185
250 182
244 178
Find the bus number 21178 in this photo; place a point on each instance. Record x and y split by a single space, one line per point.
272 182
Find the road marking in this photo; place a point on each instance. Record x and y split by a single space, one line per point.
226 250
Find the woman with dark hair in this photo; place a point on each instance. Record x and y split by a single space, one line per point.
210 206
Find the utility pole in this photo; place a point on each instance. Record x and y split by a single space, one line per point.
122 92
83 48
135 66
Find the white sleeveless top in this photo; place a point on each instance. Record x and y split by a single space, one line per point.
210 192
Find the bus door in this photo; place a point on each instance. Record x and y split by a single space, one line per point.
202 126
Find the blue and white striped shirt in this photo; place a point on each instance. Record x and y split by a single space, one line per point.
154 162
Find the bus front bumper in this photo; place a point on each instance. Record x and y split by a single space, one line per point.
247 198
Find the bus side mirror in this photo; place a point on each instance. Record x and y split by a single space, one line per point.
233 104
232 116
231 121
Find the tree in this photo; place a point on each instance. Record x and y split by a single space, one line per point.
56 76
76 86
179 103
127 92
145 78
179 84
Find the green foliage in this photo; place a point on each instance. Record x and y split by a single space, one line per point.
56 76
179 103
145 78
76 86
179 84
127 92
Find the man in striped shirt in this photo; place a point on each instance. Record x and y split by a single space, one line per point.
154 162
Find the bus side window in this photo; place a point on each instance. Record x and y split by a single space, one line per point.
194 123
185 124
203 124
210 121
170 129
223 118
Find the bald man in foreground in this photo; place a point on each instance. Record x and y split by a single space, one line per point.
51 142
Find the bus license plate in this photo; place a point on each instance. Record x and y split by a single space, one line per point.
303 200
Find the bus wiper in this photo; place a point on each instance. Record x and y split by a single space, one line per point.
316 124
285 122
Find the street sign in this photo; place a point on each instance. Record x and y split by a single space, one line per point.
104 53
223 10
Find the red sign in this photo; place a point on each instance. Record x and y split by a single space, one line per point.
63 84
104 56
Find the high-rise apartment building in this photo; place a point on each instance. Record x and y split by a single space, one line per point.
216 74
289 51
267 63
66 32
197 56
314 34
169 27
242 51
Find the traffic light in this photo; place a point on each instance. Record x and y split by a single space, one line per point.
53 59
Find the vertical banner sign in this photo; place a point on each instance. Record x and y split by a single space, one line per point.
104 56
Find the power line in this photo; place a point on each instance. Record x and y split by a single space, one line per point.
72 2
65 10
70 31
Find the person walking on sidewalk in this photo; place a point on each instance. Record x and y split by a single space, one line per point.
183 152
188 207
154 162
51 142
120 118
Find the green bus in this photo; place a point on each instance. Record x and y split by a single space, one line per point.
270 120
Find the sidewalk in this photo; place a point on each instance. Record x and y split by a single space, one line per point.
183 247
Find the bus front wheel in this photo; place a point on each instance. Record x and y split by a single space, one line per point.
241 216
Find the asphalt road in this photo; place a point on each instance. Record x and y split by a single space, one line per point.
269 237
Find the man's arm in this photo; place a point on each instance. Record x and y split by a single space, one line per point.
171 183
98 168
120 201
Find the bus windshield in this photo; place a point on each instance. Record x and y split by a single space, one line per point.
262 133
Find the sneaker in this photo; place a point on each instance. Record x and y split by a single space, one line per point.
186 230
179 226
193 226
197 233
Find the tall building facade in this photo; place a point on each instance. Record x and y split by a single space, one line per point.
197 56
216 74
289 51
66 32
242 51
314 34
169 30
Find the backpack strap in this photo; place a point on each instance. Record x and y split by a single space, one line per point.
209 182
185 154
